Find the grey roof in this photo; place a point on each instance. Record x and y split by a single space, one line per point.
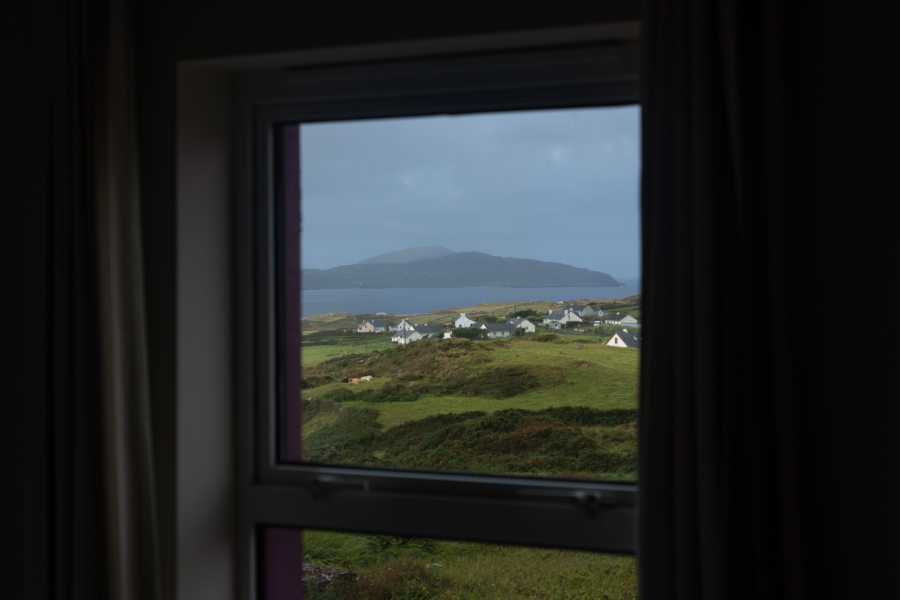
631 339
376 323
499 327
556 315
517 321
429 329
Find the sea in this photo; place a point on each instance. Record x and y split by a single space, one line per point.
402 301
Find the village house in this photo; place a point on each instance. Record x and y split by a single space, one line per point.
557 319
520 323
625 339
498 330
463 321
428 330
414 333
592 311
622 319
375 326
406 336
402 325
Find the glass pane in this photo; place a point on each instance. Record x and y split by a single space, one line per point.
470 293
351 566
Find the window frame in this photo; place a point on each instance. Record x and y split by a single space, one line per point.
596 69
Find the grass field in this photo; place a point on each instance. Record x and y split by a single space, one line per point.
546 404
384 567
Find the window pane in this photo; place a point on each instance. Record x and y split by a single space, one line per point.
352 566
470 293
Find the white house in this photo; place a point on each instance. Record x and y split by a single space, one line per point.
498 330
625 339
556 319
403 325
622 319
428 330
525 324
592 311
406 336
463 321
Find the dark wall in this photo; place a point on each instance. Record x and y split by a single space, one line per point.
168 32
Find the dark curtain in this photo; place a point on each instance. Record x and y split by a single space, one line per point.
88 528
764 426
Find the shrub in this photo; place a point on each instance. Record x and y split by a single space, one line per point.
390 392
400 578
339 395
315 381
469 333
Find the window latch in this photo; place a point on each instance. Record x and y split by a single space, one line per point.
589 500
326 484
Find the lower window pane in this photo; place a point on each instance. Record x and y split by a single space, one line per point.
356 567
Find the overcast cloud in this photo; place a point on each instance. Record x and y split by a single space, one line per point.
554 185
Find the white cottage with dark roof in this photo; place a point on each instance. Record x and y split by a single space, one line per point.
463 321
625 339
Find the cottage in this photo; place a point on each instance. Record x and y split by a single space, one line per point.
520 323
463 321
428 330
557 319
403 325
592 311
622 319
406 336
498 330
376 326
625 339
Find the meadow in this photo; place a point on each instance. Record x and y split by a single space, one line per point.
542 404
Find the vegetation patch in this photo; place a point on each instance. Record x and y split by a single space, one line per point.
494 382
314 381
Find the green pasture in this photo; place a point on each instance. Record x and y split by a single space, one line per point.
594 375
434 569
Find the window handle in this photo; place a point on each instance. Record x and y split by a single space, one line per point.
326 484
590 500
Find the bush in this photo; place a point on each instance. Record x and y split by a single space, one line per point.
469 333
315 381
339 395
400 578
390 392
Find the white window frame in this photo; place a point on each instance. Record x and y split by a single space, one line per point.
592 67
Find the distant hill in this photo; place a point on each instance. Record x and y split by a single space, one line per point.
407 256
458 269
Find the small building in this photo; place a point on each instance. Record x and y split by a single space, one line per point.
622 319
520 323
625 339
557 319
375 326
463 321
427 331
403 325
406 336
498 330
592 311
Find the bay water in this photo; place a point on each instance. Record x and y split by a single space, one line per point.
399 301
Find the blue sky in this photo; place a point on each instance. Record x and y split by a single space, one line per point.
554 185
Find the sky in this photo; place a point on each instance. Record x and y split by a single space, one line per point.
553 185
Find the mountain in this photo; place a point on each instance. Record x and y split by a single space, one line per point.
459 269
407 256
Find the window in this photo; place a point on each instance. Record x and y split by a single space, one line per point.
276 494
